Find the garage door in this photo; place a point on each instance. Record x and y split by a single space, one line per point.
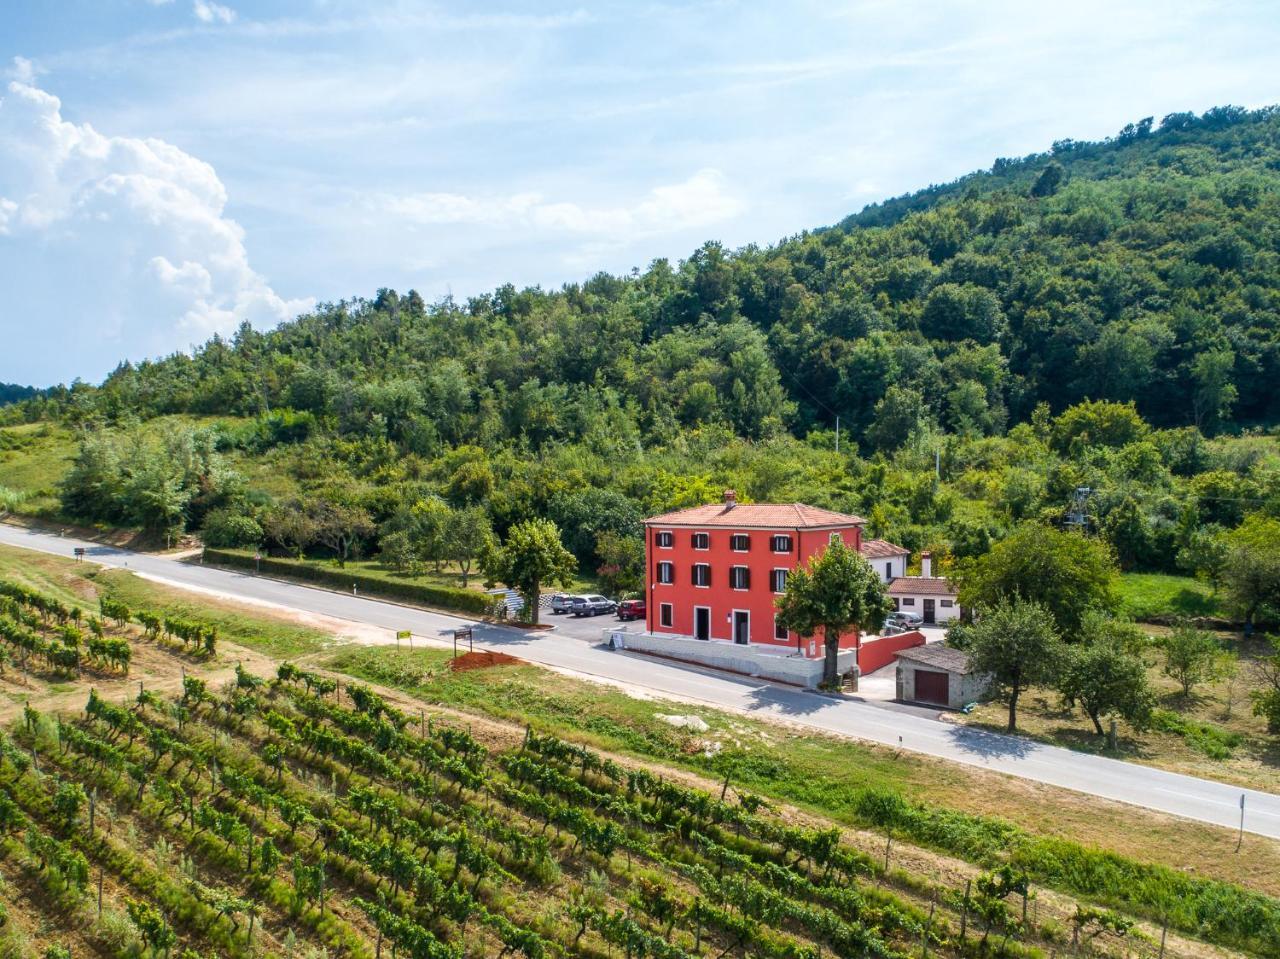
931 687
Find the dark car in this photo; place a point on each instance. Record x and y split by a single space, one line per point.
592 605
561 602
631 609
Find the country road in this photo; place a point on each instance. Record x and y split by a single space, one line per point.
1154 789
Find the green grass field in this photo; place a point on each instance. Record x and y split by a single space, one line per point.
1157 597
33 459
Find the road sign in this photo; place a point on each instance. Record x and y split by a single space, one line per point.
79 551
463 633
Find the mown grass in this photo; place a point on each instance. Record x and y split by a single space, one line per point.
83 583
823 774
1161 598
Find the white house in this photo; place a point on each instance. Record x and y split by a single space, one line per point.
930 597
888 560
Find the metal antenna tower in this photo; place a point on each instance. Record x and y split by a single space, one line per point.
1078 511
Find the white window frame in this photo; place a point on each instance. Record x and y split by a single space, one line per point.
773 579
707 567
706 538
733 575
773 543
670 567
948 604
733 539
666 615
908 600
786 635
835 535
733 626
665 539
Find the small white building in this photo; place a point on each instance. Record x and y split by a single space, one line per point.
930 597
887 559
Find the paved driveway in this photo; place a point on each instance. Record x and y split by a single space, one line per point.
1155 789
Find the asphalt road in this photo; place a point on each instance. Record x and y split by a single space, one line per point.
1154 789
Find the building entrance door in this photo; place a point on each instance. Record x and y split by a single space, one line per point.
741 627
929 616
701 622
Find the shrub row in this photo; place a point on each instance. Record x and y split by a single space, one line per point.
443 597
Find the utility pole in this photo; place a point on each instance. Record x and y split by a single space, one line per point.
837 434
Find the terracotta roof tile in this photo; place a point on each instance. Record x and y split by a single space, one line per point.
882 549
756 515
921 586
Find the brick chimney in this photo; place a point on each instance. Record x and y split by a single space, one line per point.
730 499
926 564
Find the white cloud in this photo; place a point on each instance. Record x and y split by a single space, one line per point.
23 70
207 11
699 201
126 238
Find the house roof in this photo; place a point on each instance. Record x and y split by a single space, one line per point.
882 549
939 657
757 515
921 586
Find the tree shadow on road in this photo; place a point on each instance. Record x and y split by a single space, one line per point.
990 745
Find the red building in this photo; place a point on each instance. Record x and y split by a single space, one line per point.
715 571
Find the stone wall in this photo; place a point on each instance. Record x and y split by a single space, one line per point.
749 660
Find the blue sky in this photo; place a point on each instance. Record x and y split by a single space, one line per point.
170 168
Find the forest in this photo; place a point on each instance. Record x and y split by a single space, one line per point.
947 364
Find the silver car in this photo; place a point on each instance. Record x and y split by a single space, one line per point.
901 622
562 602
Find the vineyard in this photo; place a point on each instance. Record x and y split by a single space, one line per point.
309 815
302 810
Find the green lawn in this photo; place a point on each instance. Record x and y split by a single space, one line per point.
1157 597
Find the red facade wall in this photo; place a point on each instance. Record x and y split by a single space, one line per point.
881 652
720 598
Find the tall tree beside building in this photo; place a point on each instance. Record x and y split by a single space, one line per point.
836 592
1066 573
1016 644
530 557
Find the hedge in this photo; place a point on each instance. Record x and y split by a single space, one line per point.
442 597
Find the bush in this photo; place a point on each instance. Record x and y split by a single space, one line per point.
227 530
1213 741
458 600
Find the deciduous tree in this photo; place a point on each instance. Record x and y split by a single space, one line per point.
531 556
1015 643
837 591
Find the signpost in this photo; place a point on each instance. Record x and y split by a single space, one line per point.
404 634
463 633
79 552
1240 840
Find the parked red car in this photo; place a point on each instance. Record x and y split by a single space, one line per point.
631 609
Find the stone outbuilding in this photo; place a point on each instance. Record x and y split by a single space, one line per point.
940 676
